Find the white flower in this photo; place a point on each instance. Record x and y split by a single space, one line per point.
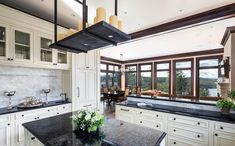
88 117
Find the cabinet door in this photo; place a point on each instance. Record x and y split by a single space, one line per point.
62 59
91 59
4 42
22 44
81 60
80 88
5 134
44 53
221 139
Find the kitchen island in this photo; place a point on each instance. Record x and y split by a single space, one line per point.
59 130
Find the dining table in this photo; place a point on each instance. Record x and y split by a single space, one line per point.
113 96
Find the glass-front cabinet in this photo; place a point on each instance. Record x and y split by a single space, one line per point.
50 56
22 45
4 42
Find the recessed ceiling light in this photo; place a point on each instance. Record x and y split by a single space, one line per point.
110 36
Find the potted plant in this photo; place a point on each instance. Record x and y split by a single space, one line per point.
88 121
225 105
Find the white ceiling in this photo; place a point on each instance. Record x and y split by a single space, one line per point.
199 38
136 14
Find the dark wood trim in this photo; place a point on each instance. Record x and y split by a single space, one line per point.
220 57
190 54
136 83
50 21
216 14
227 33
192 74
155 74
102 58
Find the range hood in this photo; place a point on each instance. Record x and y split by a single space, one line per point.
96 36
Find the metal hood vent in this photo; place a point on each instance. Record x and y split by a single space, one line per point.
96 36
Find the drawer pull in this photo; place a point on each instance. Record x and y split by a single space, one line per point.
174 142
125 110
32 138
140 112
174 130
174 119
157 115
48 110
198 123
216 134
140 121
221 128
198 136
87 105
58 113
8 124
22 115
157 126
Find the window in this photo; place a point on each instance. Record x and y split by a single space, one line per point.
207 75
145 76
183 77
110 76
162 76
131 76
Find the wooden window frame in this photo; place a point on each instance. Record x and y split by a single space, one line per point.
156 70
192 73
107 71
139 74
126 66
198 59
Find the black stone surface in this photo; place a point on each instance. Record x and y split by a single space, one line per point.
15 109
175 99
59 131
197 113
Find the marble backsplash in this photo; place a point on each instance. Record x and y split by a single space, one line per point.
29 82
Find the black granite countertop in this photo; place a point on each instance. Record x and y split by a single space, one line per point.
197 113
174 99
59 131
16 109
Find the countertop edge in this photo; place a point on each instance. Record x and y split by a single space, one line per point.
177 113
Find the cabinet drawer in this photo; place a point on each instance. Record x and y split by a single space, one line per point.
64 109
189 121
189 133
173 141
150 124
228 128
124 109
5 118
150 114
30 115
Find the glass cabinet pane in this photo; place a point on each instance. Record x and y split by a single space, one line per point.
2 41
46 51
22 45
62 57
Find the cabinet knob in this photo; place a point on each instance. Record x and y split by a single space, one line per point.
63 107
140 112
174 142
198 123
32 138
157 126
8 58
140 121
157 115
11 59
174 130
216 134
174 119
54 63
221 128
198 136
8 124
22 115
58 113
48 110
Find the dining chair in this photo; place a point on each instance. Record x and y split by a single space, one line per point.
133 90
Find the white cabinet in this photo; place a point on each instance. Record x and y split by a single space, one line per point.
181 130
222 139
86 86
4 41
49 57
22 45
5 130
87 60
31 140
